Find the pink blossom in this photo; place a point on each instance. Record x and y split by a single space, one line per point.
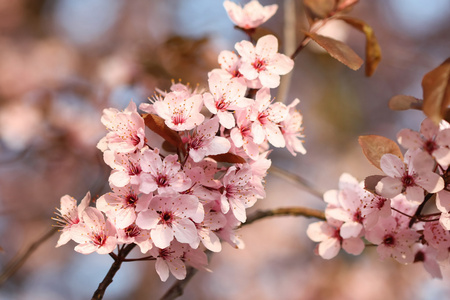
180 110
242 136
291 128
237 193
259 169
162 175
204 186
170 260
172 216
229 233
229 68
266 117
427 255
95 233
411 178
327 234
438 238
225 96
263 61
126 130
252 15
432 140
393 241
213 221
122 204
205 142
69 215
126 167
135 234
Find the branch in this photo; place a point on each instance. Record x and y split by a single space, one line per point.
177 289
286 211
17 262
296 179
112 271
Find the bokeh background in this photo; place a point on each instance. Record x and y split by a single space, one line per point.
62 62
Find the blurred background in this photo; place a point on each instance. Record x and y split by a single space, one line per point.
62 62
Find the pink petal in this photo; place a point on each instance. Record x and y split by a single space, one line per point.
392 166
353 246
162 269
409 139
351 230
431 182
161 235
329 248
185 231
389 187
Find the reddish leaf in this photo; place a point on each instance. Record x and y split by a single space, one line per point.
229 158
373 50
370 182
403 102
157 125
436 91
169 147
375 146
338 50
320 8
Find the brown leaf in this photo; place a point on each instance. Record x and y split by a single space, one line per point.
169 147
320 8
338 50
436 91
157 125
373 50
229 158
375 146
403 102
370 182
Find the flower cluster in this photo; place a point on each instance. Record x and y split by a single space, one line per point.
176 199
392 216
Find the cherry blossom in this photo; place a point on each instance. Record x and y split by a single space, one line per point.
393 241
162 175
172 216
252 15
237 193
291 128
263 61
213 221
411 178
95 233
135 234
126 130
242 136
432 140
327 234
205 142
169 260
180 110
126 167
266 116
225 96
122 204
69 215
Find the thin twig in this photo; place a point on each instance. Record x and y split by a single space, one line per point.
17 262
285 211
177 289
296 179
100 292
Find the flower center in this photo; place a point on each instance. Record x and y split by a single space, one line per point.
389 240
132 230
408 180
178 118
222 104
162 181
259 64
131 200
430 146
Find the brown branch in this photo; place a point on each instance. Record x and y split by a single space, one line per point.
99 293
177 289
285 211
17 262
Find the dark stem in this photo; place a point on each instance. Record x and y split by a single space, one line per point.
112 271
416 216
177 289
